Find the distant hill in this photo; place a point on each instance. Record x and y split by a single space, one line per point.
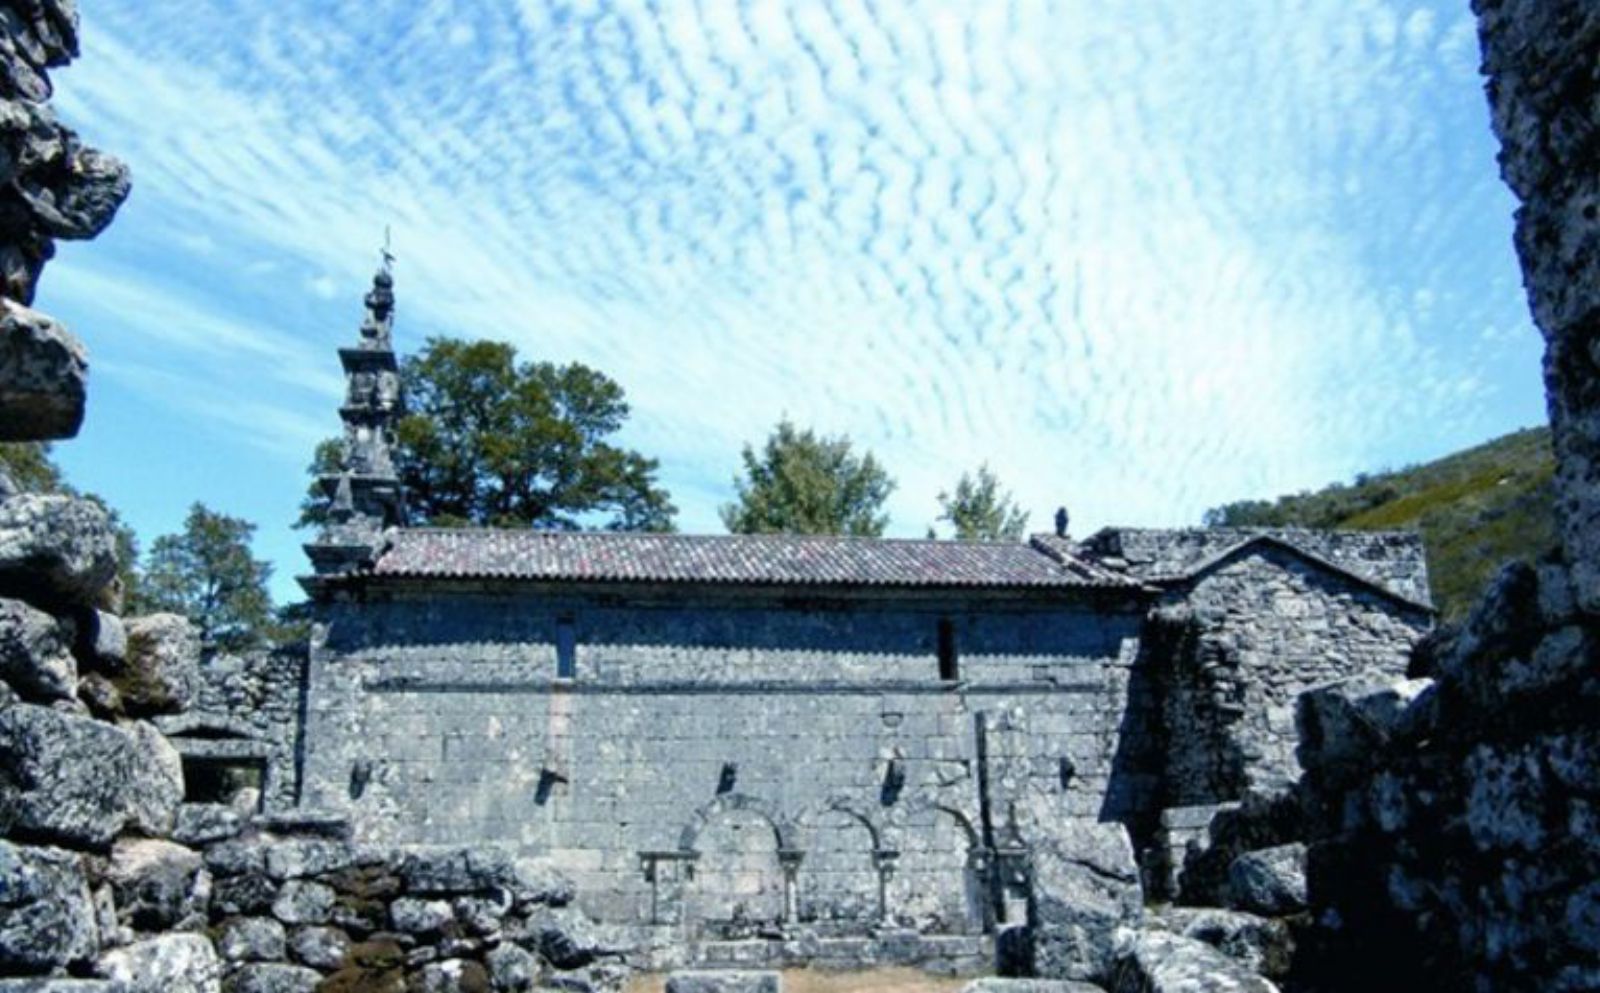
1476 509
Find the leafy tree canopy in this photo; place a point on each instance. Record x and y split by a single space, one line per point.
979 510
207 574
494 442
801 483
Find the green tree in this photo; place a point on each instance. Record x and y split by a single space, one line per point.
980 511
493 442
207 574
30 466
804 484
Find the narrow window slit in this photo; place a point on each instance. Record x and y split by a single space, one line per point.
949 665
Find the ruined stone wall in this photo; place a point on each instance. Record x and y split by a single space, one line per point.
246 715
1454 823
729 734
1262 628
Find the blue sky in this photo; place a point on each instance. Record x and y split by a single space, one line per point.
1142 258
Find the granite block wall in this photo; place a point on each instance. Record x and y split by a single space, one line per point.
731 764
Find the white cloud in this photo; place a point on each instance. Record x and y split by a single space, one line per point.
1122 254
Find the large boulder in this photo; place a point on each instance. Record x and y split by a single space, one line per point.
1271 881
157 884
56 550
80 782
170 963
1159 962
1085 896
44 374
36 653
46 913
162 671
1344 726
1261 944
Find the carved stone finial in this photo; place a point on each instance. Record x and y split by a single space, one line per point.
364 495
1061 522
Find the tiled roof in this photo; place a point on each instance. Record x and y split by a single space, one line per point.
733 559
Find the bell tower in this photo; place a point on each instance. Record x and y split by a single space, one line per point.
364 495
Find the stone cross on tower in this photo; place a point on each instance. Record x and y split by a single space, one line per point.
365 496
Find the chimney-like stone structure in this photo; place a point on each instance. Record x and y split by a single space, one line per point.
365 496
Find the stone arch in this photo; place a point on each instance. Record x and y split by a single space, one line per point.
739 883
937 885
783 830
839 880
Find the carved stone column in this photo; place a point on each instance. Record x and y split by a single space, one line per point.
884 860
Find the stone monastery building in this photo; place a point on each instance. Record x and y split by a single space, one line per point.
733 734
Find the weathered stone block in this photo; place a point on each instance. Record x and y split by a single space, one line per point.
512 969
80 781
271 977
320 947
252 939
36 653
157 884
55 549
568 938
724 982
1270 881
102 640
162 672
457 870
1260 944
206 823
1086 895
47 918
44 374
297 857
303 902
1155 962
1344 726
415 916
171 963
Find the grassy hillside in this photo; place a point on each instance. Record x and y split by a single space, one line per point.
1476 509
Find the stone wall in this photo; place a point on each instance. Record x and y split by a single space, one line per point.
1260 628
733 764
246 715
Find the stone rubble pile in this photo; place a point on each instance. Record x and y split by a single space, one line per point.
1088 927
301 912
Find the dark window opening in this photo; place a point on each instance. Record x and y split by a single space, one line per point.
949 667
212 780
566 648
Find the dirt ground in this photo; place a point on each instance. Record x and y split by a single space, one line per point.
817 981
